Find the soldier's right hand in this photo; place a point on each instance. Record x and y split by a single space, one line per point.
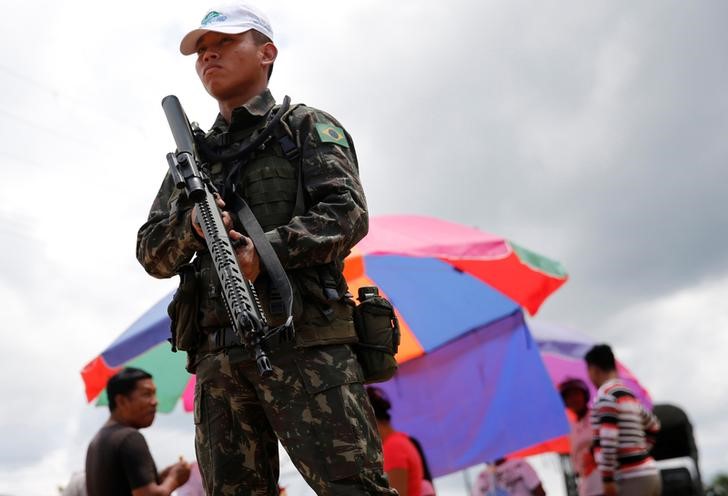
226 218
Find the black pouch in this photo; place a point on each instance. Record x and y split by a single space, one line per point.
183 311
378 332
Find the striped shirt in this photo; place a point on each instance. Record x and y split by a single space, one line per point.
623 433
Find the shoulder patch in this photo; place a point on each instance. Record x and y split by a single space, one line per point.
328 133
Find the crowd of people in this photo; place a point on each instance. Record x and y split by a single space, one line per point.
610 440
287 185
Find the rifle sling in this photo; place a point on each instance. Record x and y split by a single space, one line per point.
267 254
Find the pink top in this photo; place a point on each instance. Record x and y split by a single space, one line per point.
581 439
513 477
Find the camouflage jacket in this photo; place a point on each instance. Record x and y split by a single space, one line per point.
335 217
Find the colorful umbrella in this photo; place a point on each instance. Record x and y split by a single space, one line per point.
477 398
144 345
446 282
445 279
562 351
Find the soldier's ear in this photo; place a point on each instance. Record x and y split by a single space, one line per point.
268 53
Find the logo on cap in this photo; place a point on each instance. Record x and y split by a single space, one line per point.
213 17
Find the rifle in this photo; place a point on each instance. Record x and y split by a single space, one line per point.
241 301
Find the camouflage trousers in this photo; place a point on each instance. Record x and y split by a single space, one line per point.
314 403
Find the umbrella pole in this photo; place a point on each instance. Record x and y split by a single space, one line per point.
569 476
466 479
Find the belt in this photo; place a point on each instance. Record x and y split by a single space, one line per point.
219 338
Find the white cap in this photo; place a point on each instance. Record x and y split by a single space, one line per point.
231 19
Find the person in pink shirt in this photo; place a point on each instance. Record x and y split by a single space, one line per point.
575 394
508 478
402 462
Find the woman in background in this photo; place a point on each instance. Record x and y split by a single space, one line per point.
402 462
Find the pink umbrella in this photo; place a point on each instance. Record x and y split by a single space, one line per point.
563 353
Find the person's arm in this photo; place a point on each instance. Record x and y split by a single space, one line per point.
651 426
140 471
167 240
176 475
398 452
538 491
482 483
530 478
398 478
336 211
606 440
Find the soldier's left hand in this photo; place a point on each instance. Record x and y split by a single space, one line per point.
246 254
227 220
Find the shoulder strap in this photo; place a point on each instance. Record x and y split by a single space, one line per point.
255 140
292 151
268 256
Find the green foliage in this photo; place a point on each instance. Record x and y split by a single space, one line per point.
718 486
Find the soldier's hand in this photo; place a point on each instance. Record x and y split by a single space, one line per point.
227 220
246 254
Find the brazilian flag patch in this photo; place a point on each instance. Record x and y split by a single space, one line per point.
331 134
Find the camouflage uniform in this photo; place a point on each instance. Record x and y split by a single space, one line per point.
314 402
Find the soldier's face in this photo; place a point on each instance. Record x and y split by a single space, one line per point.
229 64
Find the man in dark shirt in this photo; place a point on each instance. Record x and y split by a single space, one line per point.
118 462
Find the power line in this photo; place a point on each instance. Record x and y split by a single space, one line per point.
49 130
59 95
22 160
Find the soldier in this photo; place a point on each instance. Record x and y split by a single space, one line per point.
302 184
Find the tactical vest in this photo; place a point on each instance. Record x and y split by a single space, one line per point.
268 181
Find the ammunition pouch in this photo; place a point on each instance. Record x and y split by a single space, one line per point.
378 331
321 314
182 311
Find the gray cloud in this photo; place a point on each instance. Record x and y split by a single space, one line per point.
592 132
596 136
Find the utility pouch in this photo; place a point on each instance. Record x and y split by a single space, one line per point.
183 311
378 332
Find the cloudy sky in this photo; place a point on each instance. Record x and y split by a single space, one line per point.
591 132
